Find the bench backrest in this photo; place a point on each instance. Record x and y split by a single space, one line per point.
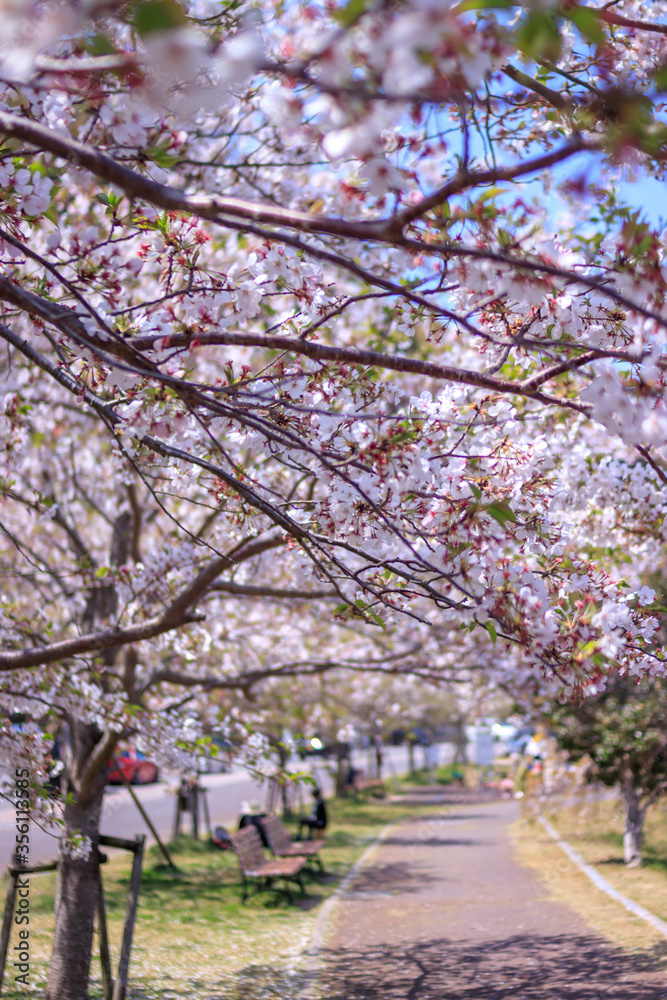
277 834
248 846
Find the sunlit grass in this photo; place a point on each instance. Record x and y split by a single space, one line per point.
594 827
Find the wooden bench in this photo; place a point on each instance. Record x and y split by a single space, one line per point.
362 784
255 867
283 846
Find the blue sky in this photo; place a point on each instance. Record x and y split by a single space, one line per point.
649 195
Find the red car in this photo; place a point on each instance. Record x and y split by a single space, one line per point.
135 767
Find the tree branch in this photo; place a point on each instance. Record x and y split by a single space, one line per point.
465 180
93 642
374 359
552 96
609 17
178 613
248 590
135 185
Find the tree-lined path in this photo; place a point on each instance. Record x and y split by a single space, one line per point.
443 909
226 796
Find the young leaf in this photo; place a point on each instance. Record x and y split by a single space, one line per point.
156 15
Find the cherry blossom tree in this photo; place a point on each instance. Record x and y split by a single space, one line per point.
620 732
320 302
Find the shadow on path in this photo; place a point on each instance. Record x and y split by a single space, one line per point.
523 967
427 841
395 876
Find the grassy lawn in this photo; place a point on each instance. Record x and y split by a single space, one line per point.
443 775
595 829
193 935
454 774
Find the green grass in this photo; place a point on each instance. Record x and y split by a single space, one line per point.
444 775
449 774
193 934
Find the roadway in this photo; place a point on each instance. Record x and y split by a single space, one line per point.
226 794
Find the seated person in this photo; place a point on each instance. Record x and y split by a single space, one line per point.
318 817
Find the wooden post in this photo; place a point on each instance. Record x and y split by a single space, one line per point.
145 816
7 921
177 815
193 795
130 916
207 815
105 957
271 796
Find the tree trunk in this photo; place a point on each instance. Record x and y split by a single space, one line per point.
634 814
283 758
461 754
342 769
379 758
411 756
77 882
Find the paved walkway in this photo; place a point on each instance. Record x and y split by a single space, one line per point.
442 911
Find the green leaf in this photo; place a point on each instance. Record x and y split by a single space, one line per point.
99 45
660 78
588 23
161 155
486 5
157 15
491 629
501 511
537 36
368 612
351 12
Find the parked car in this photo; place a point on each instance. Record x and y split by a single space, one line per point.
135 767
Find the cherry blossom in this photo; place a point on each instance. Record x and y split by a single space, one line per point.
330 345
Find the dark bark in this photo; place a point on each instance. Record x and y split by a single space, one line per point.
461 755
342 770
77 882
379 758
283 758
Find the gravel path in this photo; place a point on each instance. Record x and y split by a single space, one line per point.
442 911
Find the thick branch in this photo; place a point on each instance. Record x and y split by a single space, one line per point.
191 594
524 80
135 185
465 180
95 763
93 642
610 17
178 613
372 359
248 590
